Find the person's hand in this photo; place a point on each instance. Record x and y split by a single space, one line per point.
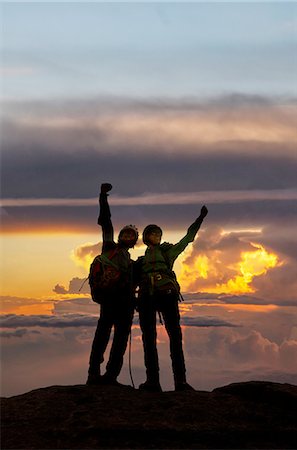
204 211
105 187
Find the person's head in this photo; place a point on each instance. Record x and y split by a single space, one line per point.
128 236
152 235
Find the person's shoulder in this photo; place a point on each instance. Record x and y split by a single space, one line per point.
109 245
165 246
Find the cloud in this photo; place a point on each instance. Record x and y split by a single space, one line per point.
254 346
288 353
226 262
247 302
281 285
205 322
54 356
59 353
248 348
83 306
19 333
76 286
224 266
64 317
19 305
84 254
177 198
251 300
47 321
166 125
58 289
231 143
240 215
282 238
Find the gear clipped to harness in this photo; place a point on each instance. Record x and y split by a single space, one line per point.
104 276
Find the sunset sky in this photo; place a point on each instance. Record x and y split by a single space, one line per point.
177 105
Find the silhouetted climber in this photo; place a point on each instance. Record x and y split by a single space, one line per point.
159 292
117 304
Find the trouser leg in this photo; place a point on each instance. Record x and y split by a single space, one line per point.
101 339
122 328
171 317
147 319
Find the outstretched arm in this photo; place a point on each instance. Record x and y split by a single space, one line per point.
176 249
104 218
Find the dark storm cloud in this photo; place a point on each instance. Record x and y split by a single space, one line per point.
66 149
48 172
58 149
173 217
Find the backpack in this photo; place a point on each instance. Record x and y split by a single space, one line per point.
104 276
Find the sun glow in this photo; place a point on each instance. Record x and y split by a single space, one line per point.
32 265
199 268
252 264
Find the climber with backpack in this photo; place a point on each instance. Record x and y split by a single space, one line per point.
111 286
159 292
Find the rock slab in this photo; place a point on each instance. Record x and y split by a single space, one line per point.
251 415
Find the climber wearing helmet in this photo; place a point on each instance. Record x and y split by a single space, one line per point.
117 303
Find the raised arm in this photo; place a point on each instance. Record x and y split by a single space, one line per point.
176 249
104 218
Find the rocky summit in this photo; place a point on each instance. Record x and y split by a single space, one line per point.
251 415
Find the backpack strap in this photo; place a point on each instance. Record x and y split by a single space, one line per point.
107 259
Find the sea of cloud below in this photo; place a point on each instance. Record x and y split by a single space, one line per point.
226 339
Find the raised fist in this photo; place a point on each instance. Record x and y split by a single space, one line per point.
105 187
204 211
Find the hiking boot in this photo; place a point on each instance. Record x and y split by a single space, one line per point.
149 386
108 380
94 379
183 387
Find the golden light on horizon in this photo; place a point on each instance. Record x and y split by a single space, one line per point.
249 308
34 264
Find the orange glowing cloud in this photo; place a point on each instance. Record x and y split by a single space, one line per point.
218 271
252 264
84 254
